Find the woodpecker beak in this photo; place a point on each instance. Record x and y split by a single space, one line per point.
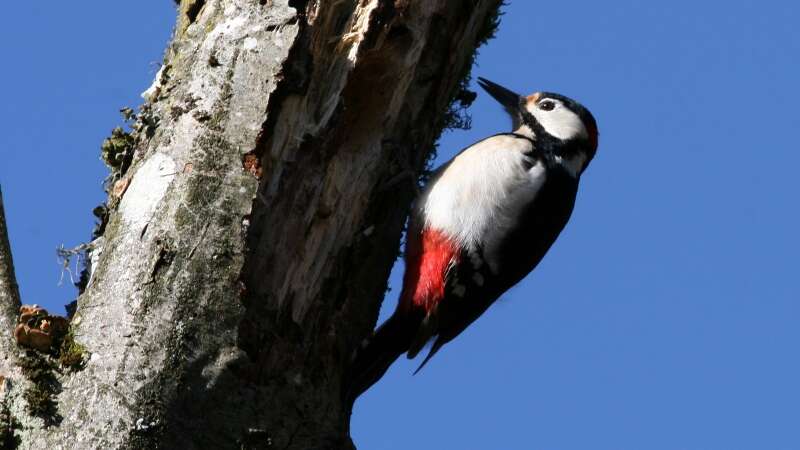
509 99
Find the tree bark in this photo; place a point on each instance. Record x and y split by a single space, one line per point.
254 214
9 298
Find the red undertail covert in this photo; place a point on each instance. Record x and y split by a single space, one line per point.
429 255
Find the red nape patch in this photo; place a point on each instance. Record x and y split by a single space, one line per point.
593 135
428 255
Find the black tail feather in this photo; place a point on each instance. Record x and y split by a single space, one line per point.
378 352
427 328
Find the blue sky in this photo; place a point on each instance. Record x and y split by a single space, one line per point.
665 317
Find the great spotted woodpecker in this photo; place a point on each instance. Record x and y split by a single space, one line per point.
482 223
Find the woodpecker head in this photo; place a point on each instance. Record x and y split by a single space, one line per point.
561 126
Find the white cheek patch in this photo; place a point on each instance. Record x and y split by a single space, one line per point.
560 122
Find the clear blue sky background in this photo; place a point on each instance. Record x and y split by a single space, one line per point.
666 316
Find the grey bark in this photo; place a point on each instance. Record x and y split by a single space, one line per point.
251 234
9 297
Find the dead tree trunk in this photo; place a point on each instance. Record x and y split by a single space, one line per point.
253 216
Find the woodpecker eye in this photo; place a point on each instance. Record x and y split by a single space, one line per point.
547 105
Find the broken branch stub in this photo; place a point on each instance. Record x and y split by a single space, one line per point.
39 330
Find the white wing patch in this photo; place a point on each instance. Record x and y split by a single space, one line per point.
477 197
573 165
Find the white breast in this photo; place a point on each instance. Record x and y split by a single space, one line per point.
478 196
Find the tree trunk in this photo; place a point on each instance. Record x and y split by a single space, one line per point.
253 216
9 302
